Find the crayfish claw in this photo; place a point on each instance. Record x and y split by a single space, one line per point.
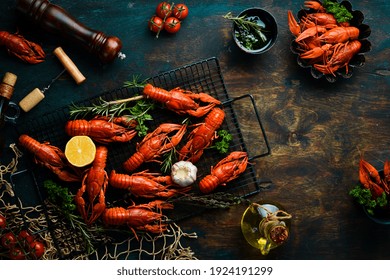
25 50
292 24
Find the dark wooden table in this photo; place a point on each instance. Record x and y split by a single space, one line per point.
317 131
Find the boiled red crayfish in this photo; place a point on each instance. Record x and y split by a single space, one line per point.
103 130
202 136
154 144
323 42
340 57
315 5
226 170
370 178
94 183
340 34
50 157
23 49
147 185
138 217
181 101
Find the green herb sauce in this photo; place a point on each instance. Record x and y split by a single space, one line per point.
252 38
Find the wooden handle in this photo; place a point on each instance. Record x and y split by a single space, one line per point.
69 65
31 100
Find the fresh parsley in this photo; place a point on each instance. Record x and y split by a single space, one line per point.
60 196
224 143
339 11
364 197
140 112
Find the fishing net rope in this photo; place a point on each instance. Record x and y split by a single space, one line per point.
34 217
9 169
167 246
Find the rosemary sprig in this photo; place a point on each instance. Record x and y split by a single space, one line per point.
103 108
135 82
116 108
169 158
246 24
120 107
214 200
112 108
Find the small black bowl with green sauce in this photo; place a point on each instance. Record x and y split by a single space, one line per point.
252 39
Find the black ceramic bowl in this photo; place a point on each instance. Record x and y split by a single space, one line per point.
266 21
380 216
357 60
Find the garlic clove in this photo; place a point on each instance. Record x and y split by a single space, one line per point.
183 173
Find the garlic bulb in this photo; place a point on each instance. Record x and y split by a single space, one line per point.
183 173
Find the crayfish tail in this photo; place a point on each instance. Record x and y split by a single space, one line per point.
133 162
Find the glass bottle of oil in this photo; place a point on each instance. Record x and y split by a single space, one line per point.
6 92
265 226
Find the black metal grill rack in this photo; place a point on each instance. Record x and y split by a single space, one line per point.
204 76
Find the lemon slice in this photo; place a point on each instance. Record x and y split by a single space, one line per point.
80 151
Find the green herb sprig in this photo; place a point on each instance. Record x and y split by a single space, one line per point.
216 200
169 158
223 144
364 197
339 11
249 26
62 200
112 109
140 113
138 110
60 196
135 82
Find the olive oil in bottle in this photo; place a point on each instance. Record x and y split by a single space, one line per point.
265 226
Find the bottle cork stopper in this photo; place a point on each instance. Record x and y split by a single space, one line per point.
10 79
7 85
31 100
69 65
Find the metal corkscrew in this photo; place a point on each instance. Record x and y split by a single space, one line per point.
37 95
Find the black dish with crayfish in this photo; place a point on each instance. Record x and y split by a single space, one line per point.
358 60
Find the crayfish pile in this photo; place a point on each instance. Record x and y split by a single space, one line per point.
325 40
153 189
374 190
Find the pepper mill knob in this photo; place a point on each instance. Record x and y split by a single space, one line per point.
55 19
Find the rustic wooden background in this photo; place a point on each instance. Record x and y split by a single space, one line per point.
317 131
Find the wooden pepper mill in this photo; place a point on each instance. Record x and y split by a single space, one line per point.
55 19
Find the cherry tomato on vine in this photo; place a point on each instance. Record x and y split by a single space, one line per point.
16 253
180 11
25 237
8 240
163 10
155 24
172 25
3 221
37 249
